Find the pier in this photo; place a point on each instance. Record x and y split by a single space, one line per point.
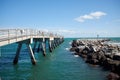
29 36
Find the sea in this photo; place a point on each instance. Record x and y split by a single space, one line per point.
60 64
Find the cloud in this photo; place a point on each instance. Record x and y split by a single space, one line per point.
94 15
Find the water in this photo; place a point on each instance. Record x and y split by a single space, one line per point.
58 65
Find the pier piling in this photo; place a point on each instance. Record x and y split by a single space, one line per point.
31 54
43 49
39 47
50 46
54 44
34 47
15 61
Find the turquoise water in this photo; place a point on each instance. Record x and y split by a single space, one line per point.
58 65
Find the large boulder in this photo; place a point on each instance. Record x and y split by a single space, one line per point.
116 57
113 76
75 43
73 49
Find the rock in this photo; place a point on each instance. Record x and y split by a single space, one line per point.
81 43
116 57
77 50
113 76
74 43
73 49
83 56
85 50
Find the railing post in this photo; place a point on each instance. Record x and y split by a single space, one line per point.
8 36
16 34
21 33
31 33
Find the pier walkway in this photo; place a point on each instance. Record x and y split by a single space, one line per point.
29 36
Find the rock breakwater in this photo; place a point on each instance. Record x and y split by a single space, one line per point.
99 52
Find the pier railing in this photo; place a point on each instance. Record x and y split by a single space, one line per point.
7 34
14 35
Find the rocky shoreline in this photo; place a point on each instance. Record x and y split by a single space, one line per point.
99 52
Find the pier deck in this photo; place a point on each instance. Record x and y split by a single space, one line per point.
8 36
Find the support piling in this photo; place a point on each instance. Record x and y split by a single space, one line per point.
43 49
31 54
34 47
50 46
15 61
39 47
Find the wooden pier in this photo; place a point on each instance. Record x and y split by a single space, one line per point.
29 36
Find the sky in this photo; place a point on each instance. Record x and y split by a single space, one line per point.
70 18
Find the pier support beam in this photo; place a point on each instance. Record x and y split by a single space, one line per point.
55 43
15 61
39 47
31 54
50 45
60 41
43 49
34 47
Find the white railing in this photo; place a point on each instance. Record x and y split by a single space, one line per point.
7 34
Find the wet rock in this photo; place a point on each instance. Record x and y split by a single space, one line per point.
74 43
83 55
113 76
85 51
116 57
81 43
77 50
73 49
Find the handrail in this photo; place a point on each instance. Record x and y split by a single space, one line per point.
7 34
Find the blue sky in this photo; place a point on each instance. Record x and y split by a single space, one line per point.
71 18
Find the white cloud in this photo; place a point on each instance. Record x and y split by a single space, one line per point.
94 15
97 14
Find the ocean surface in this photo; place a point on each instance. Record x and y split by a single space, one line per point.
61 64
